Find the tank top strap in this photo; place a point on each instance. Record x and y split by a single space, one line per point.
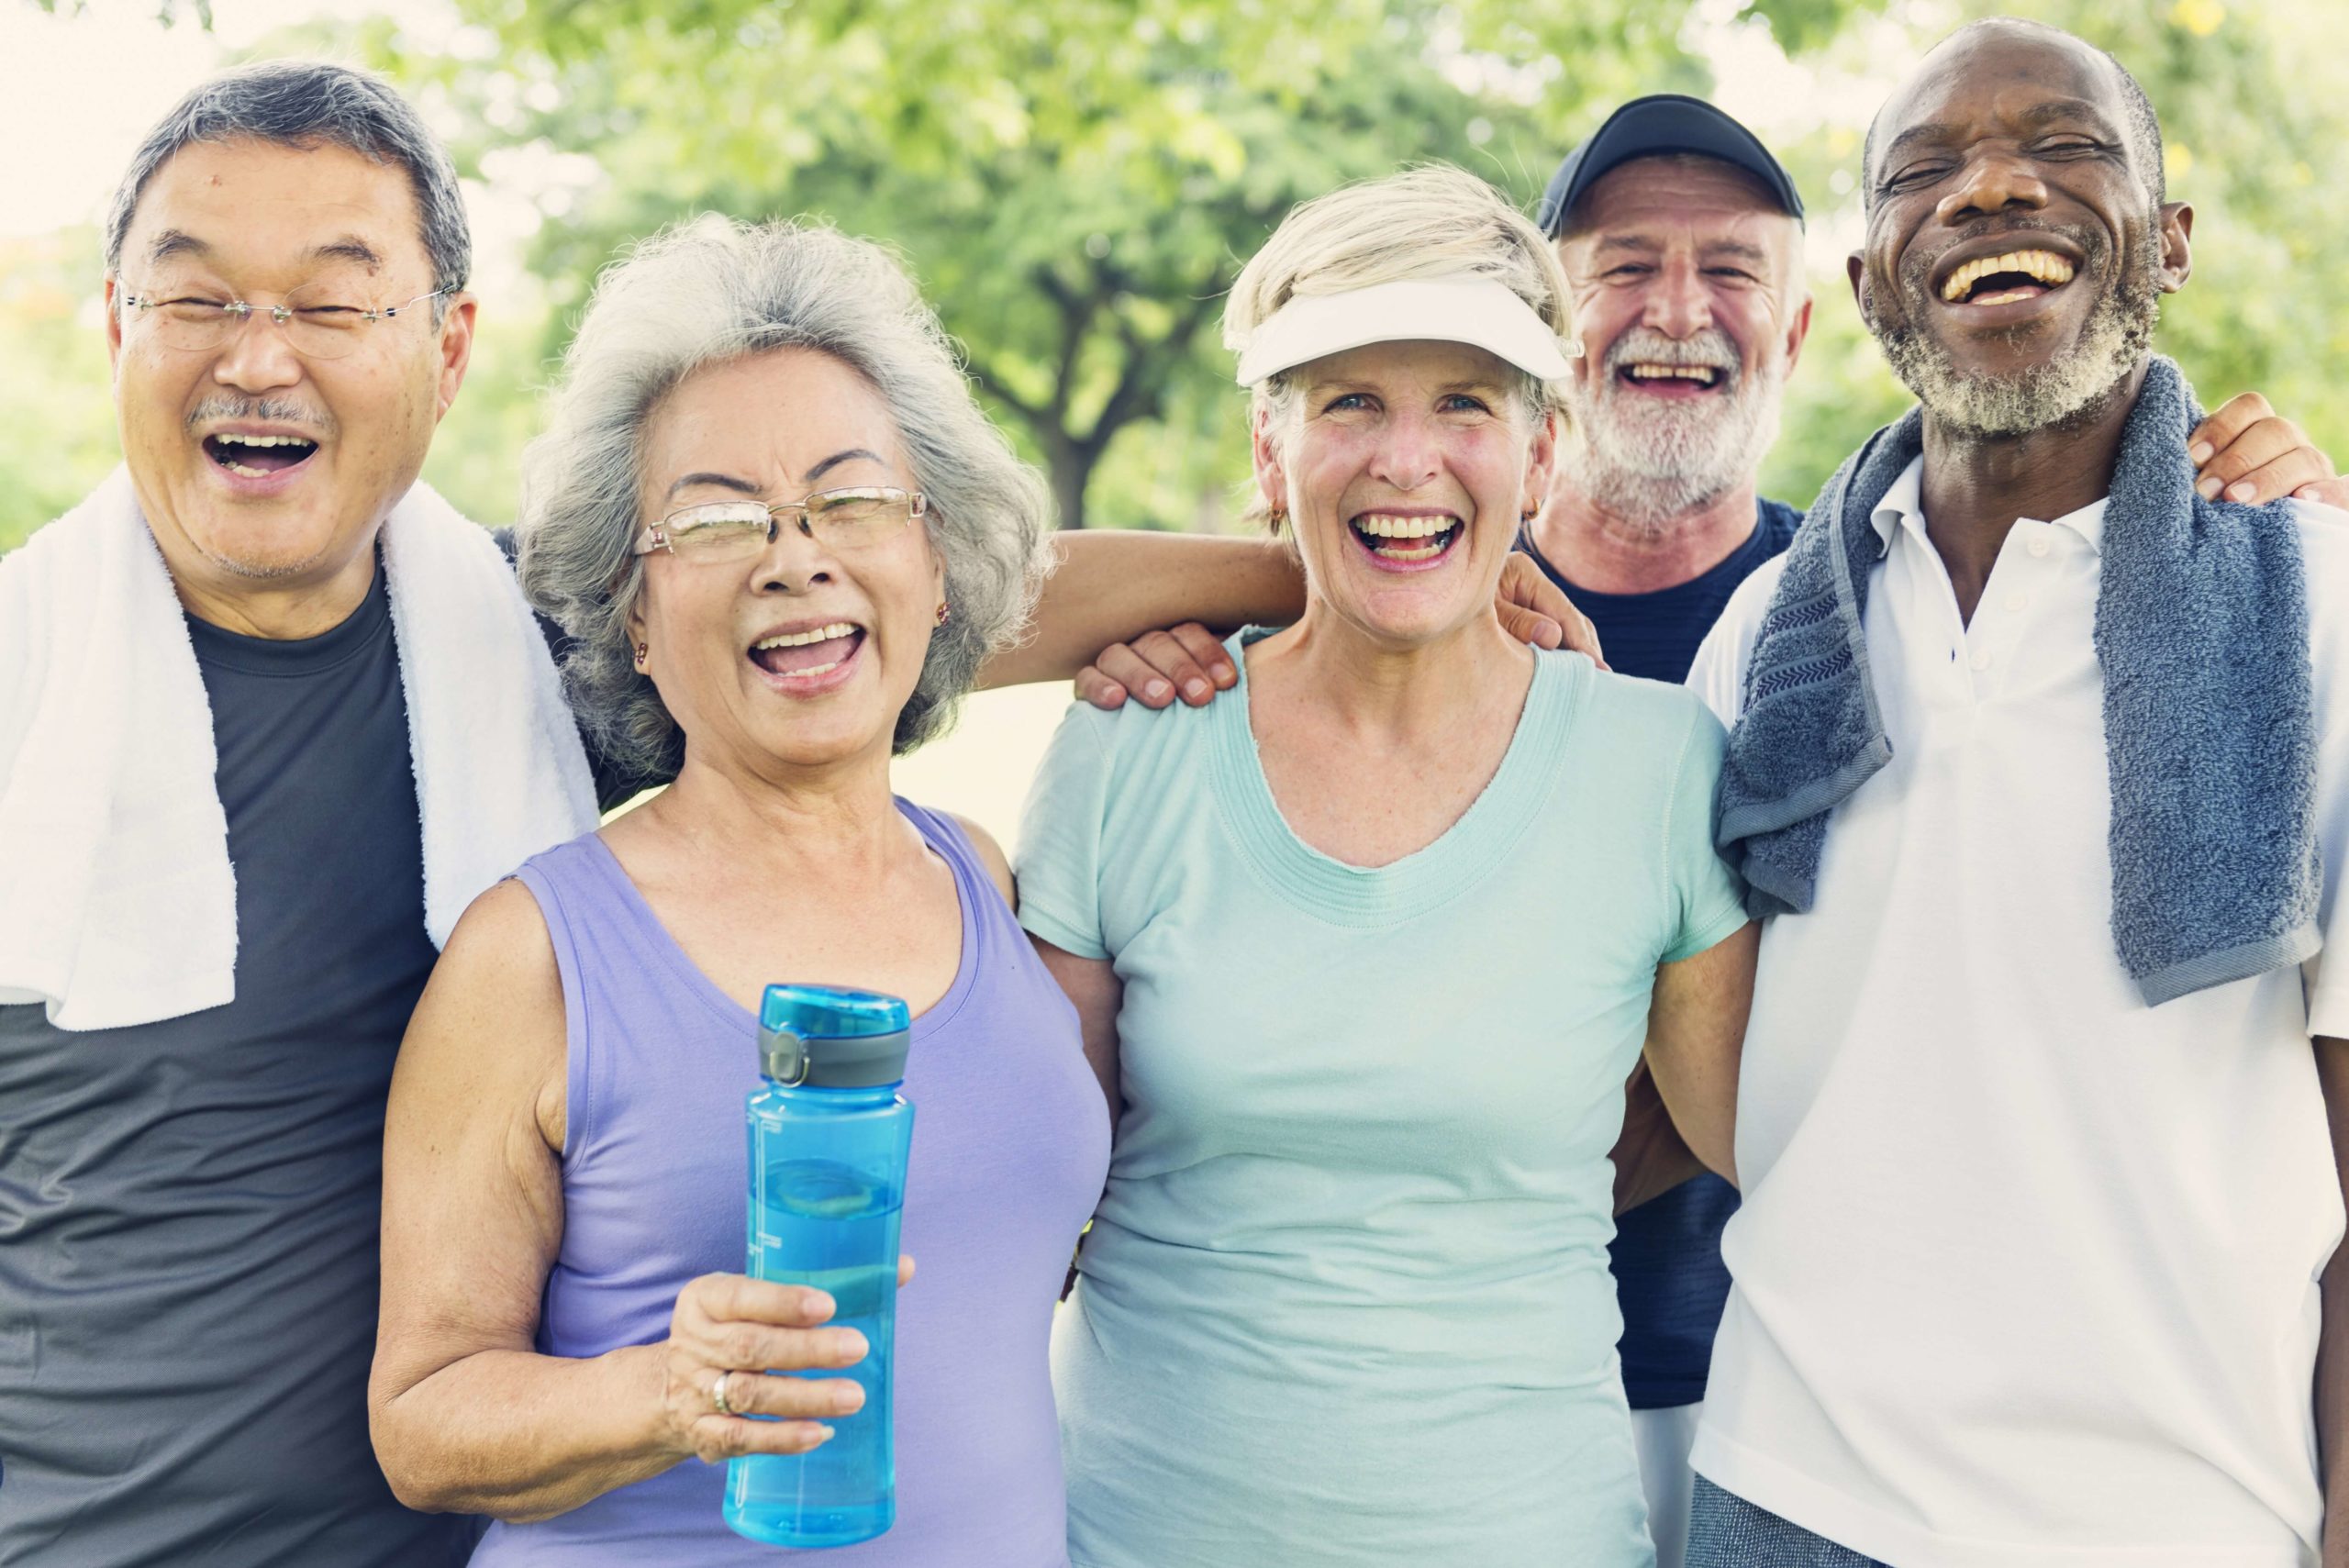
993 925
591 912
604 937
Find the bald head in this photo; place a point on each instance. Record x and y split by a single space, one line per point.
2018 242
2007 45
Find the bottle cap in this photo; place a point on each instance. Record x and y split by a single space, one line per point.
827 1036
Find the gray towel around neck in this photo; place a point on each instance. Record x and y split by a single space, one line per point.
2202 632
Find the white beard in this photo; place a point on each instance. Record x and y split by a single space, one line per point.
1651 461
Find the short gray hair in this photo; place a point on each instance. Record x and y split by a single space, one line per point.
715 290
308 104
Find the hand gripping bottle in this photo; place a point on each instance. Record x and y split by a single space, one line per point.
829 1137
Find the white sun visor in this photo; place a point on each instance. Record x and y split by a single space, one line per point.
1478 311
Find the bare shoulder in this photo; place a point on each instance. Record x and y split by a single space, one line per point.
990 855
493 1012
502 935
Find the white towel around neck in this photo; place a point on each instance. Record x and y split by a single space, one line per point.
117 903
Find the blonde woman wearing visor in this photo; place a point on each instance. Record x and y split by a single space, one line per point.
1364 955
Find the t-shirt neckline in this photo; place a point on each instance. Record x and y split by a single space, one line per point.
1456 860
1754 549
362 628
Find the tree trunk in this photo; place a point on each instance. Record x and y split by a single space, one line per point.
1070 464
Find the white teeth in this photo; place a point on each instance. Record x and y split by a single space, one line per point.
802 639
1705 373
2043 265
813 670
1379 526
240 470
269 440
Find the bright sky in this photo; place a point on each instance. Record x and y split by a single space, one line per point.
79 91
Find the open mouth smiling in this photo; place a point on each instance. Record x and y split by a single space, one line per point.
2007 277
806 655
258 456
1661 379
1403 539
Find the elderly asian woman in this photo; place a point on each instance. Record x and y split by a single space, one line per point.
1364 955
784 538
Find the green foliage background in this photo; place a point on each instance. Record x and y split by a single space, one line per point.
1076 182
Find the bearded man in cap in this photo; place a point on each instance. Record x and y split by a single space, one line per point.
1682 237
2040 770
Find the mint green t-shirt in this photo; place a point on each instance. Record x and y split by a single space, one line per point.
1346 1299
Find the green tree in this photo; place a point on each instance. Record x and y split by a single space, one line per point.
57 432
1075 185
1076 182
1078 185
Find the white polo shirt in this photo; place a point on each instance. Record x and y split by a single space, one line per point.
2026 1270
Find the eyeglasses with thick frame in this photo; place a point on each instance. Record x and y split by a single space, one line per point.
317 324
732 530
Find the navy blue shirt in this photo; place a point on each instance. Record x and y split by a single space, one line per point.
1666 1254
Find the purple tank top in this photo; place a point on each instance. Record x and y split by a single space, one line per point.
1011 1144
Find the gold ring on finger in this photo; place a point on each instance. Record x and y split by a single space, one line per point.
718 1394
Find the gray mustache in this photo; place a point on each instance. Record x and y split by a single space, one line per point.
263 410
1710 348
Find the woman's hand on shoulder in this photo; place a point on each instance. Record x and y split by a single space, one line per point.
1156 665
727 1335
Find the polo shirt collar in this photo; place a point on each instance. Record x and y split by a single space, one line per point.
1903 507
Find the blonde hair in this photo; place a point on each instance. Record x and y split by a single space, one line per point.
1431 221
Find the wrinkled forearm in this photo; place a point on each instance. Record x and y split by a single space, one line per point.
1111 586
519 1436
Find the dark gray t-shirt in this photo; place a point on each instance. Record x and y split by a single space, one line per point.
188 1210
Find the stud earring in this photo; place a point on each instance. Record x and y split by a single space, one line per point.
641 649
943 613
1574 349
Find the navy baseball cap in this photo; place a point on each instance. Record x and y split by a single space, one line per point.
1661 123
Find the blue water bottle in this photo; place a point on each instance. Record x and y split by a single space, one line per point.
829 1137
